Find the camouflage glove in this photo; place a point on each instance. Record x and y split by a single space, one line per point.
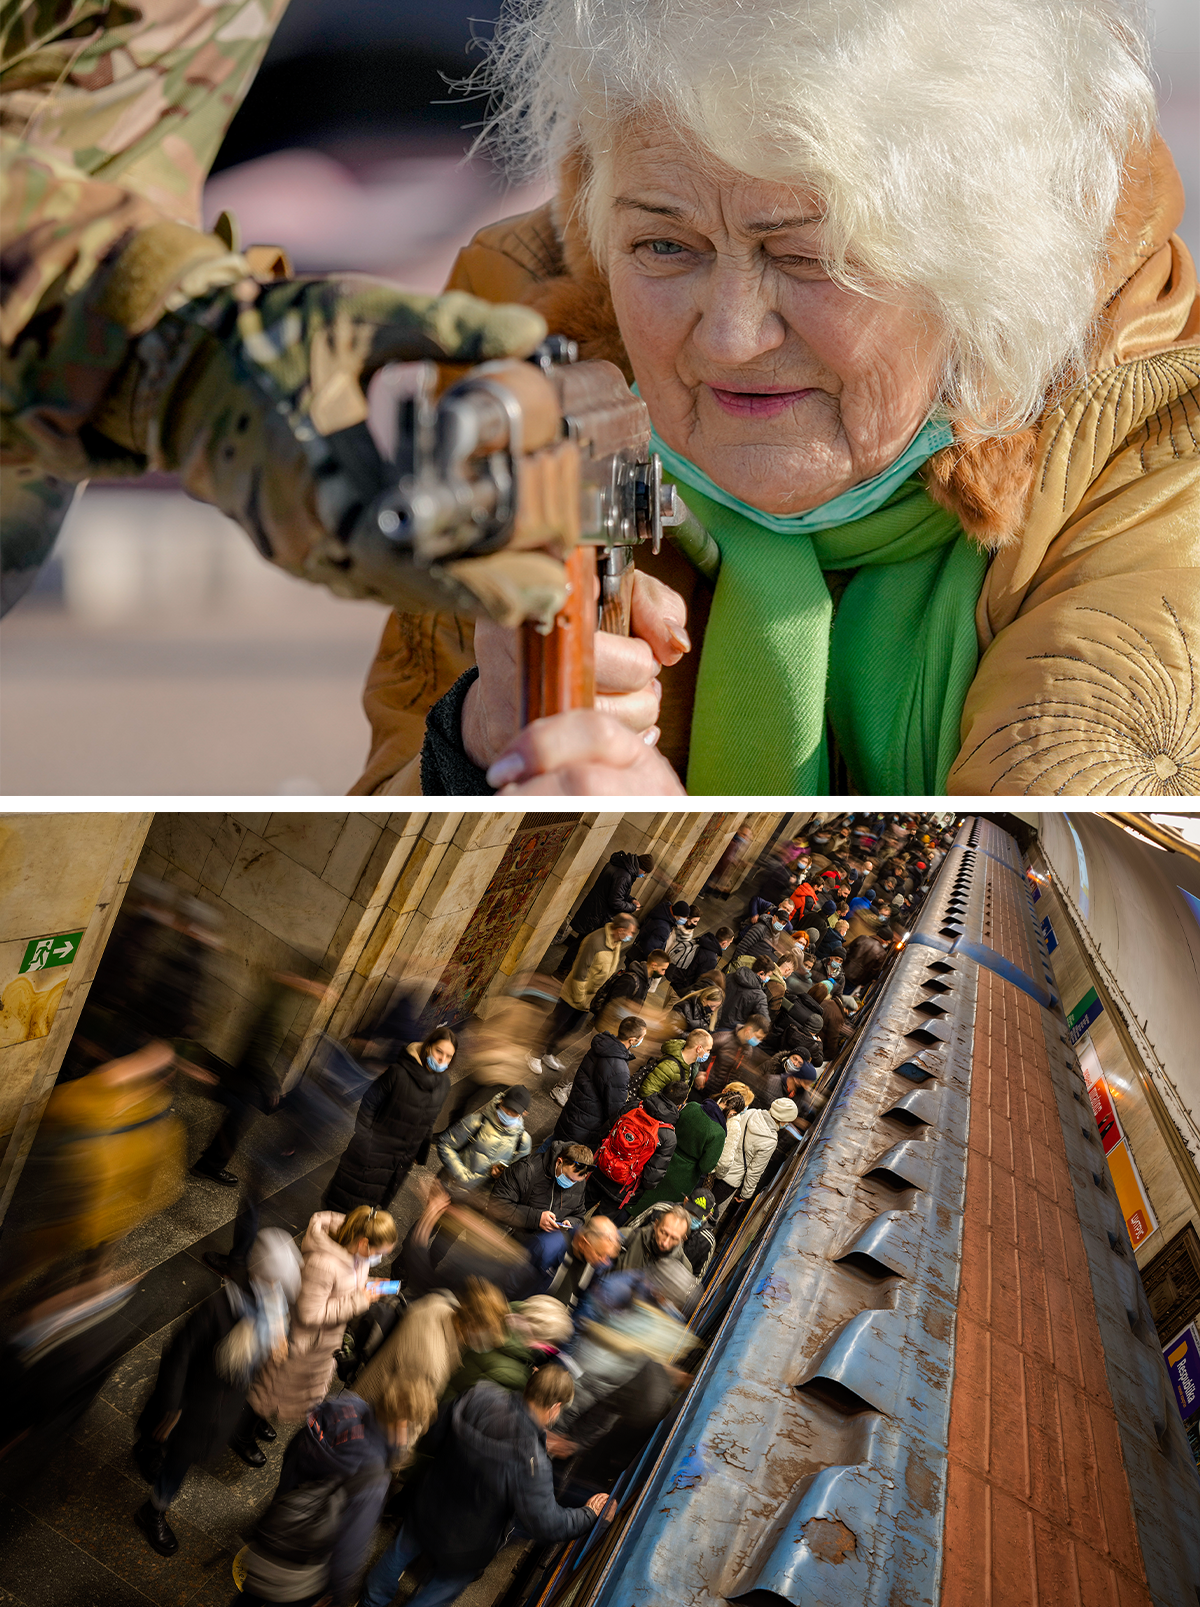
255 395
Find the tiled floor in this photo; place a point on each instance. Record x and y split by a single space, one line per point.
67 1537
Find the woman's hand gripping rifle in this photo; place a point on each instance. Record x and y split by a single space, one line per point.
521 494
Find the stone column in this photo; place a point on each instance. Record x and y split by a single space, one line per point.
63 878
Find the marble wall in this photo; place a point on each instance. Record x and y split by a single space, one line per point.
60 875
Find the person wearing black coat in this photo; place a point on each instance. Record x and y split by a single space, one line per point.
489 1467
604 1193
797 1026
710 951
600 1091
198 1404
395 1122
660 925
831 942
526 1191
758 938
611 895
745 994
343 1445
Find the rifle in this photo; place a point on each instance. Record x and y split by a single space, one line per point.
521 493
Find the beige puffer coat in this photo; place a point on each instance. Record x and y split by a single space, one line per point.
424 1344
332 1290
750 1141
600 954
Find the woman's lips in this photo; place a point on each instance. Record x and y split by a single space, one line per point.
757 404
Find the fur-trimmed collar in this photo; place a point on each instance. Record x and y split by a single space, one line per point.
1149 304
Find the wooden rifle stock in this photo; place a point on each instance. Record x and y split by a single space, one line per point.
558 665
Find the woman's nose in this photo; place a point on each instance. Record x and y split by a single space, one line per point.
738 322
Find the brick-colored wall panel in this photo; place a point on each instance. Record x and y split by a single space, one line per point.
1038 1506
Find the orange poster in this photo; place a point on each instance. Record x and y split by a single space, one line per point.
1135 1207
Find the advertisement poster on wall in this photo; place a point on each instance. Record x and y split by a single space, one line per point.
1140 1220
1182 1357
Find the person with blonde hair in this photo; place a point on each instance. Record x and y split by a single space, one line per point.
900 289
335 1285
432 1337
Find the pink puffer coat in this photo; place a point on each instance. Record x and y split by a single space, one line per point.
332 1290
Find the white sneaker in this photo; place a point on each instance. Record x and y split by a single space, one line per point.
534 1065
553 1062
562 1093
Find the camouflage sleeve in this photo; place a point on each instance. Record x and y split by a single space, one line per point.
110 117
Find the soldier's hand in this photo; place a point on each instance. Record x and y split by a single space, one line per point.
256 396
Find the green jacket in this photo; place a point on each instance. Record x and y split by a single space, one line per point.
668 1070
509 1365
699 1141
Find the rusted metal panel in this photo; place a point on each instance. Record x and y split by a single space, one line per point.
808 1462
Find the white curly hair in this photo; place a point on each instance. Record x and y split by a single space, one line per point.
968 154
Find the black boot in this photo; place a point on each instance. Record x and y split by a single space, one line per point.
249 1453
216 1173
264 1431
157 1530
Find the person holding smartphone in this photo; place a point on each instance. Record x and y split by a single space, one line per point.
335 1285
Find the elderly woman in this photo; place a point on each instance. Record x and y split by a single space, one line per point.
919 347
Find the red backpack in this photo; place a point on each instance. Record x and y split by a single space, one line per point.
624 1153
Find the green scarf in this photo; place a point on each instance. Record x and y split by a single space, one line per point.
891 674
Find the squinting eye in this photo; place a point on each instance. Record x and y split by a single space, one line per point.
664 248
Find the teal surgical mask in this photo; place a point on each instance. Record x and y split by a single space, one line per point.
433 1064
627 937
753 1042
507 1120
779 925
563 1181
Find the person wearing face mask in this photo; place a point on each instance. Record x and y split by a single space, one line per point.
682 1059
483 1144
600 1089
734 1055
336 1283
745 992
683 948
394 1125
699 1010
760 938
833 940
699 1140
750 1142
660 927
544 1191
834 1029
600 957
710 951
636 1152
628 989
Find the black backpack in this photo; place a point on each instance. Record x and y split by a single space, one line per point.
302 1526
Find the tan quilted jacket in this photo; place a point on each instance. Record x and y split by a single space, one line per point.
1089 618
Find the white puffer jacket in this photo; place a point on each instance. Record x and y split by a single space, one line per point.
750 1141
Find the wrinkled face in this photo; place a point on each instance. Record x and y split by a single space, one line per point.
669 1231
785 387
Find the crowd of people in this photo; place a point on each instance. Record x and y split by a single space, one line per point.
488 1374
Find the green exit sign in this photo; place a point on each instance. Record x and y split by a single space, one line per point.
44 952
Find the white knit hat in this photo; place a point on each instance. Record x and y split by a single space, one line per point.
784 1111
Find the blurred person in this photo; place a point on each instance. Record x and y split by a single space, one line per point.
199 1405
56 1357
627 988
611 895
395 1124
833 940
599 1091
654 1236
536 1329
489 1468
600 956
734 1054
566 1266
701 1241
682 1059
660 928
745 993
636 1151
453 1240
834 1029
493 1053
750 1141
543 1192
335 1285
481 1145
309 1545
699 1140
109 1153
725 874
684 949
699 1010
759 937
865 957
710 946
432 1337
796 1028
253 1084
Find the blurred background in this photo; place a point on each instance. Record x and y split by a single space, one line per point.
159 653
